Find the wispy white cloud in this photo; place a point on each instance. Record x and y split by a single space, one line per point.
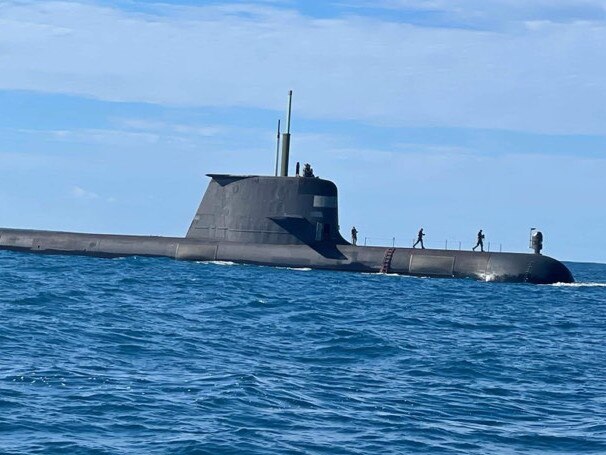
97 135
172 128
134 134
80 193
498 11
544 77
77 192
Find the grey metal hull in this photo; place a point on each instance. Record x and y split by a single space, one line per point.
509 267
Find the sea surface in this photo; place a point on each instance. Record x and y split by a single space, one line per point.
155 356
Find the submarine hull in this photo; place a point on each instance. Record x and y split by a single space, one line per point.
289 222
504 267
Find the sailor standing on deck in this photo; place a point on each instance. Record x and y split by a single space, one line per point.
354 236
480 242
420 239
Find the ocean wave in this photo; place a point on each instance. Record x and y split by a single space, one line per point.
160 356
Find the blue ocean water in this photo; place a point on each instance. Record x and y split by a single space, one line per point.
141 355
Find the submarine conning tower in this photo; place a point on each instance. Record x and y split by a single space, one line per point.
268 210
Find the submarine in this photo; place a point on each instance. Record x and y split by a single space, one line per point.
288 221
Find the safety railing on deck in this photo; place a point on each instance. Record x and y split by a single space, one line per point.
447 244
379 241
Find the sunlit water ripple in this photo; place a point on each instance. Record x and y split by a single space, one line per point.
143 355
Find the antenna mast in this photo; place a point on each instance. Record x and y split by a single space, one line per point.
286 140
277 149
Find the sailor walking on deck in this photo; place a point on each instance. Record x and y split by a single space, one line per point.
354 236
480 242
420 239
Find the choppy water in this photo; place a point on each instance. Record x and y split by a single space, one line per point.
139 356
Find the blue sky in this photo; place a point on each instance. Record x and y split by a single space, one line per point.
451 115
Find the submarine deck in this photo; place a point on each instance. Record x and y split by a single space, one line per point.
511 267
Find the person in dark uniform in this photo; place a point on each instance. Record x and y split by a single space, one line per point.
480 242
537 242
297 168
307 170
354 236
420 239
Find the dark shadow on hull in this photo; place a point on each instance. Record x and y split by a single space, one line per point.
298 226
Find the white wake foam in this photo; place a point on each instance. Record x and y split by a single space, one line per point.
390 274
217 262
579 285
